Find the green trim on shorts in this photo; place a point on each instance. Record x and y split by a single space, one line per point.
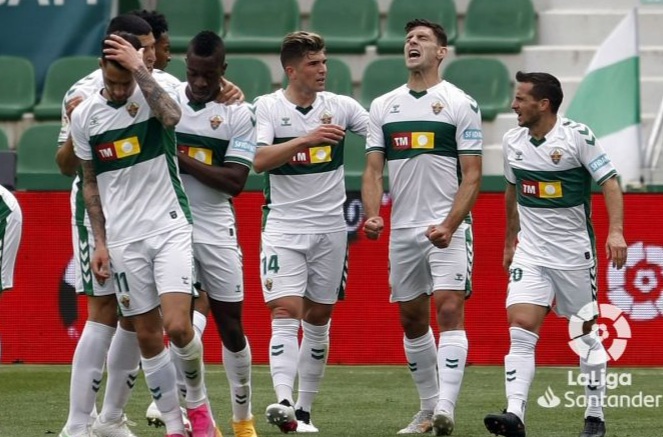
344 276
3 229
84 258
469 250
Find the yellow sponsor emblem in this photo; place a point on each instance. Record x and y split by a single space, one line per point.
423 140
320 154
200 154
550 190
127 147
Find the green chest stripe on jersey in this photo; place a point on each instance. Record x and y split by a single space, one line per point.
553 189
213 148
316 159
123 148
407 139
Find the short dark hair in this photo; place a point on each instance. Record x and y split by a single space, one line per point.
130 37
438 30
129 23
544 86
156 20
296 45
207 43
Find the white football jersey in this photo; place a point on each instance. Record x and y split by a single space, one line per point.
553 180
422 134
306 195
90 84
136 167
214 134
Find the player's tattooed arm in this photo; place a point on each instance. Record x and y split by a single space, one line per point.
164 107
93 203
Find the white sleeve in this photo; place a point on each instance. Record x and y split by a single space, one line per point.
264 127
358 117
469 136
375 137
509 175
79 136
592 156
242 147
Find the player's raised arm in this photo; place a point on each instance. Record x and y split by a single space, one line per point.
166 110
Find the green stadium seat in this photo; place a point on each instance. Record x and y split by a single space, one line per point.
177 67
61 75
252 75
339 77
186 19
125 6
258 26
36 168
497 26
402 11
347 26
17 87
380 76
484 79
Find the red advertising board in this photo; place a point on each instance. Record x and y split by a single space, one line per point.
41 318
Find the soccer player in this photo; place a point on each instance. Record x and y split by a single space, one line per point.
549 164
102 339
97 339
301 132
159 25
139 213
429 133
216 145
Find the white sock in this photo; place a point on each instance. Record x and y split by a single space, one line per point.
189 359
87 369
451 359
594 365
199 323
519 368
238 372
283 352
313 354
179 376
122 364
421 355
160 376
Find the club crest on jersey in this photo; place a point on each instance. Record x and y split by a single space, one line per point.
215 121
326 118
132 108
556 156
437 107
125 300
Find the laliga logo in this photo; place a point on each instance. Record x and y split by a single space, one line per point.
611 324
638 287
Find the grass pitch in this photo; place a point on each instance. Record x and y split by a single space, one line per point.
359 401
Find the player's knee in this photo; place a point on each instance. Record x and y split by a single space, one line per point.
179 330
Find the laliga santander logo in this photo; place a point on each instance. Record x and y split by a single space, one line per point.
638 287
612 328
